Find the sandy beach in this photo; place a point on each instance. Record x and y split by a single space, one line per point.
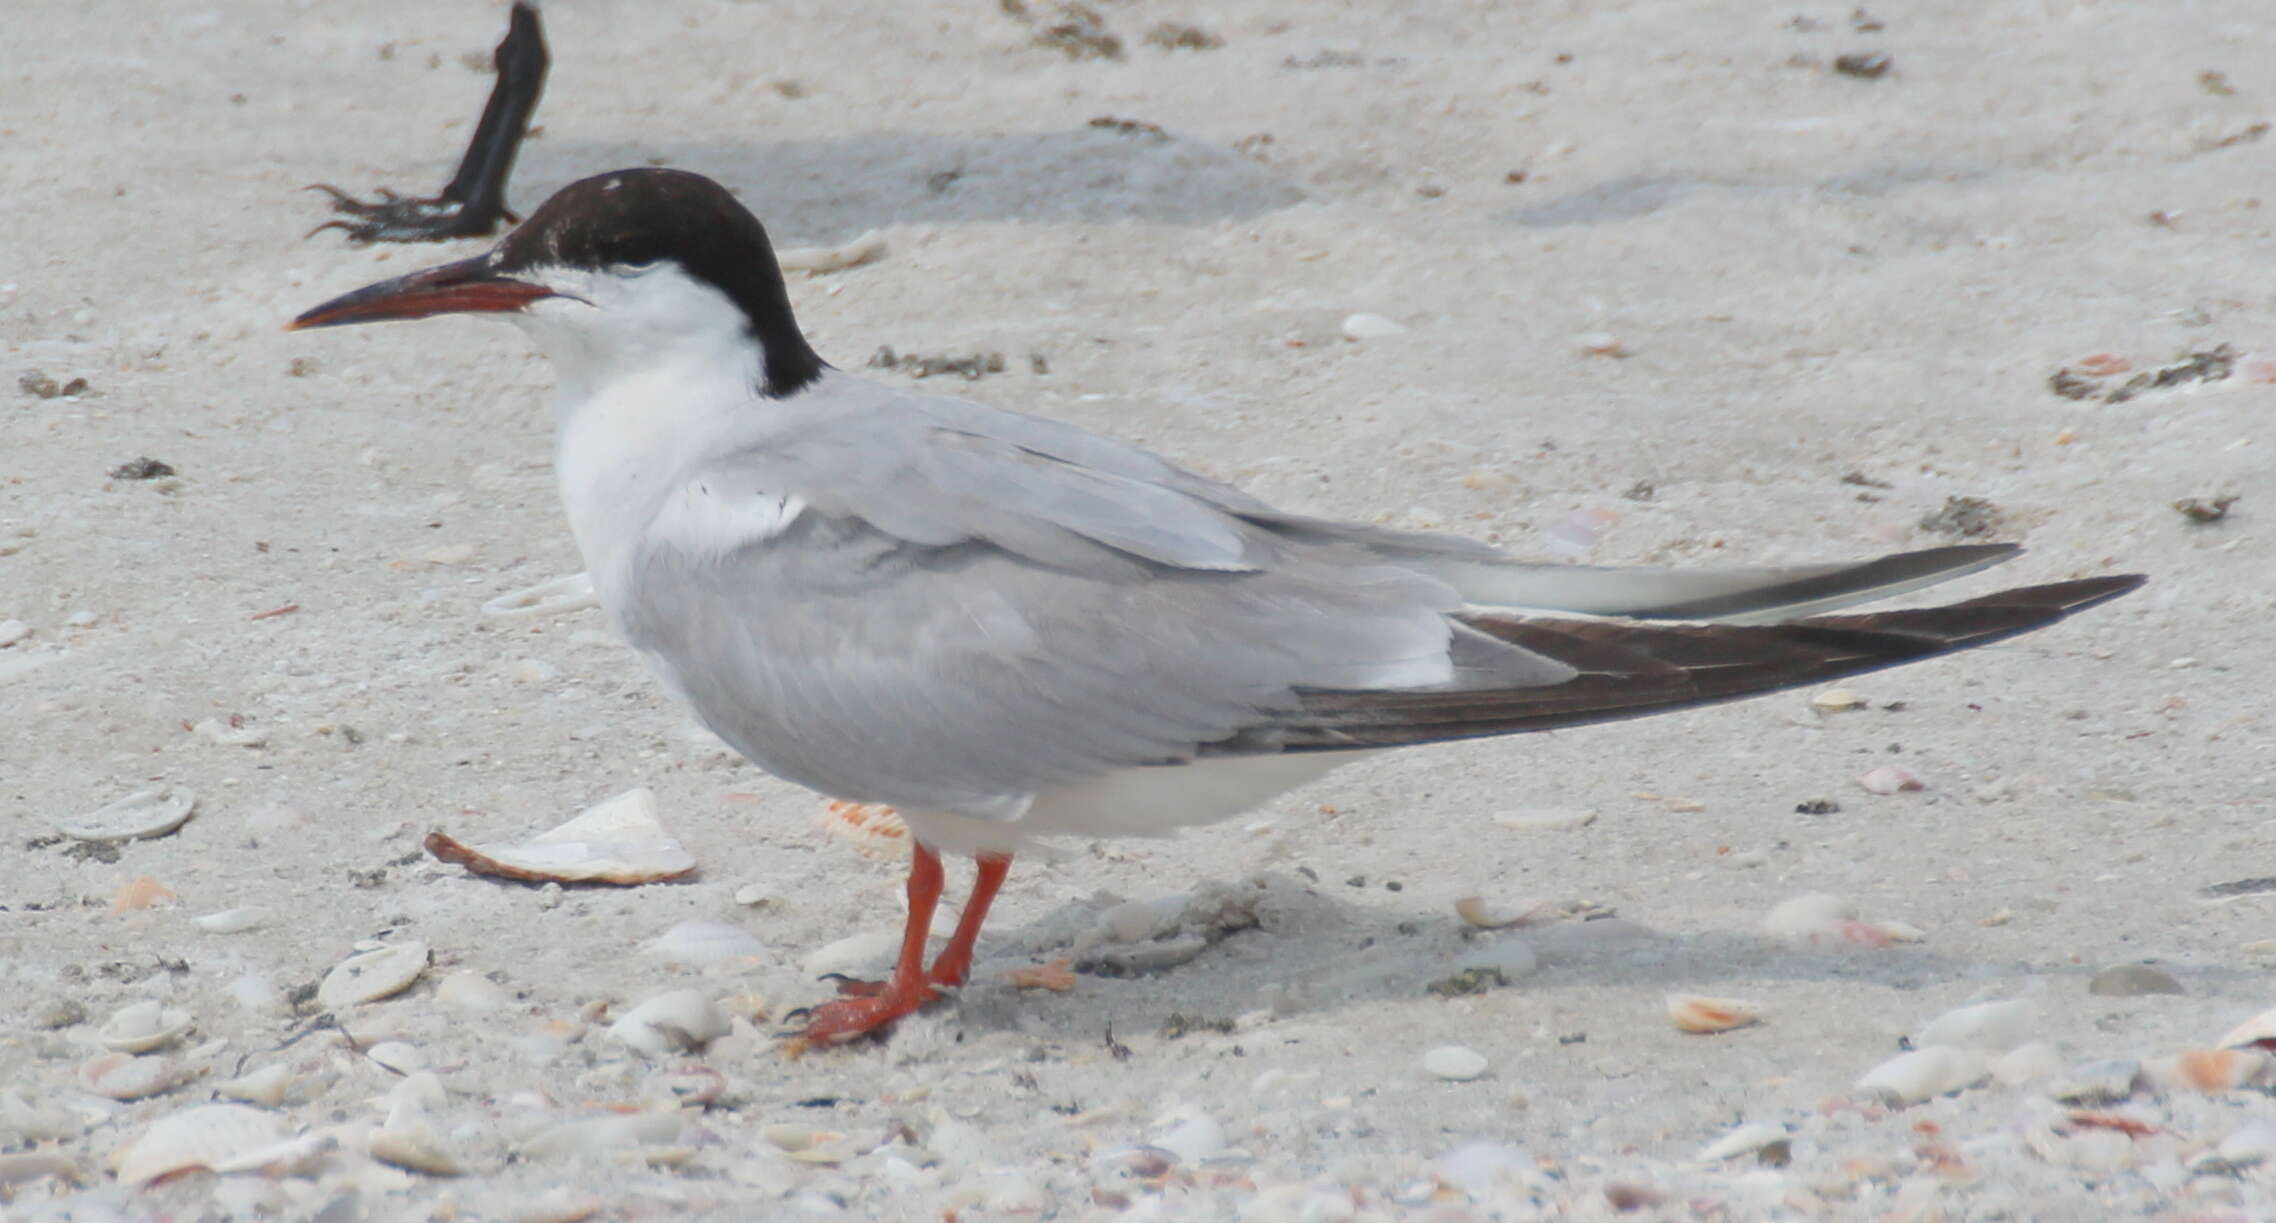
1619 283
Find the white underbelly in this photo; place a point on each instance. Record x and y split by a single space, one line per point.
1141 802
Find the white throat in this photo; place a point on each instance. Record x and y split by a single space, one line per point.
650 367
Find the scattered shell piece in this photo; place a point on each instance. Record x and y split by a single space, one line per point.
1600 344
13 631
1699 1014
1364 326
398 1056
2027 1062
677 1021
1546 819
372 975
31 1165
870 245
231 921
605 1135
1994 1027
145 892
619 841
2208 1070
691 1083
1753 1136
2258 1032
1138 959
2097 1083
1889 779
267 1086
125 1076
415 1146
854 954
1578 531
1922 1074
2133 981
700 943
143 1027
227 732
2104 364
1058 976
2247 1147
1836 700
23 1121
210 1136
1478 912
470 993
139 816
1822 919
1454 1063
562 594
873 829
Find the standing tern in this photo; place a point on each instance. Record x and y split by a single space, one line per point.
1008 627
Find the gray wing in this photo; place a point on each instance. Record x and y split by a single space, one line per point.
969 606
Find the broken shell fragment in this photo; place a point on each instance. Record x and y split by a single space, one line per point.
1752 1136
1479 912
619 841
1699 1014
416 1147
562 594
874 830
2208 1070
1836 700
2257 1032
372 975
1889 779
1909 1078
267 1086
698 943
124 1076
679 1021
211 1136
231 921
138 816
143 1027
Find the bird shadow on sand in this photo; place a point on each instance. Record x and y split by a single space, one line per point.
815 191
1312 954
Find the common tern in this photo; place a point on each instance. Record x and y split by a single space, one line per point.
1008 627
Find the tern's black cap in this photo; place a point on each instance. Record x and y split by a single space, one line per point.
629 218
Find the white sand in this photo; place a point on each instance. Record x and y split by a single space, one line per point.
1812 275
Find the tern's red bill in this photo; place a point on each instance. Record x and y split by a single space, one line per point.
470 286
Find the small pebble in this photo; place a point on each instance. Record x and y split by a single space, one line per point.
1365 326
2133 981
1454 1063
1922 1074
2109 1081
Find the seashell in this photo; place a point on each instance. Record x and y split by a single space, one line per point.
1058 976
873 829
1546 819
619 841
210 1136
124 1076
372 975
470 993
1476 911
1141 1163
231 921
1478 1167
143 1027
1813 917
398 1056
701 943
604 1135
1454 1063
678 1021
267 1086
1140 958
22 1121
144 892
2108 1081
855 955
870 245
415 1147
563 594
1836 700
1699 1014
139 816
2207 1070
2026 1063
1889 779
1365 326
1909 1078
1994 1027
793 1139
691 1083
32 1165
1752 1136
2256 1032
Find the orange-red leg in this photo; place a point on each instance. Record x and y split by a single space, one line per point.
870 1007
